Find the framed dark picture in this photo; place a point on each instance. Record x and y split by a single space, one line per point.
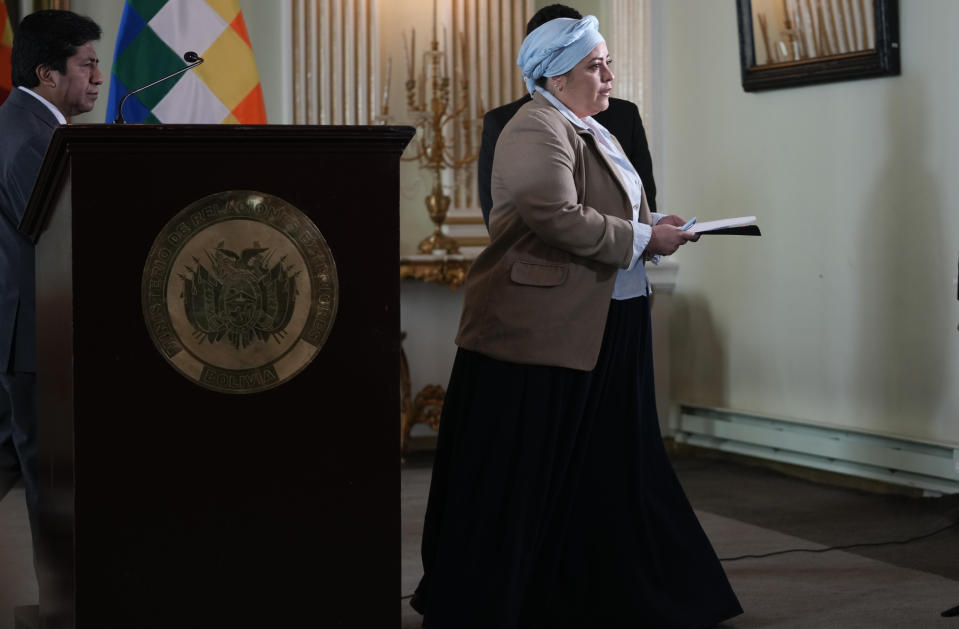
786 43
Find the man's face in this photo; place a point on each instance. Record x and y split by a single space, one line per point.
76 91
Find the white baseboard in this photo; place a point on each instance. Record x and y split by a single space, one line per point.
930 467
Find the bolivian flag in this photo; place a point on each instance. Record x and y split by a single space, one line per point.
154 35
6 45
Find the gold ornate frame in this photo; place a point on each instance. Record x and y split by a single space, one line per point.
786 43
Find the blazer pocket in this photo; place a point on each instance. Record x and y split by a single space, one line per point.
538 274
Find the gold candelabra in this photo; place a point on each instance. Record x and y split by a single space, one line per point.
433 107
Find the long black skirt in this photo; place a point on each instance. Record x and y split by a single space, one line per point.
553 504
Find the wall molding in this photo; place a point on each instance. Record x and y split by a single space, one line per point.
927 466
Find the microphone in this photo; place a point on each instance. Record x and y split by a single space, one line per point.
190 57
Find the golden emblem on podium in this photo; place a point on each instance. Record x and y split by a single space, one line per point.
239 291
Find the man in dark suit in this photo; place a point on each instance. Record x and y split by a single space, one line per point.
621 119
55 75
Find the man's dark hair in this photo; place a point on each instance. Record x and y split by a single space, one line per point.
48 38
551 12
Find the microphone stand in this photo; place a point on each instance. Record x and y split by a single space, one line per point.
190 57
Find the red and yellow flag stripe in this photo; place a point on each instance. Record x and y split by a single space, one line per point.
6 46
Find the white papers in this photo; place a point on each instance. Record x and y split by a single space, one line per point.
724 223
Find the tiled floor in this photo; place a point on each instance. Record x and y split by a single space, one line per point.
18 583
744 509
751 510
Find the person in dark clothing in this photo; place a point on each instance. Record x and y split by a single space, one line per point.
553 503
55 75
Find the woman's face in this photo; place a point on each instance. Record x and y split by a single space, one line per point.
585 89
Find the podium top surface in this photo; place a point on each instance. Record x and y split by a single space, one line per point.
226 132
86 138
91 140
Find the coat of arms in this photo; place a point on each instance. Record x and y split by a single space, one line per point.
241 297
239 291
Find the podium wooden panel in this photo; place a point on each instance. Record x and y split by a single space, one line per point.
163 503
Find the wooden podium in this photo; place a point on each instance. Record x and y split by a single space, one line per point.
169 497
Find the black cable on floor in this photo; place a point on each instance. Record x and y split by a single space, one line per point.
845 547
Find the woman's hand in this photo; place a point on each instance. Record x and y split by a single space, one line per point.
668 237
672 219
678 221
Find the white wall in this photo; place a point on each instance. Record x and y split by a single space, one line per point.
845 311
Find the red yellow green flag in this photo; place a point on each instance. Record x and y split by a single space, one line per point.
152 38
6 45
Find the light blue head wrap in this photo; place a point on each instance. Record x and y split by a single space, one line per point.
556 47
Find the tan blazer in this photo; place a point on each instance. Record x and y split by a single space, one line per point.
559 232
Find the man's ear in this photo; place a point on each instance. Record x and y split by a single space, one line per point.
47 75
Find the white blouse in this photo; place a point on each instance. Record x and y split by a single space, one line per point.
631 281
